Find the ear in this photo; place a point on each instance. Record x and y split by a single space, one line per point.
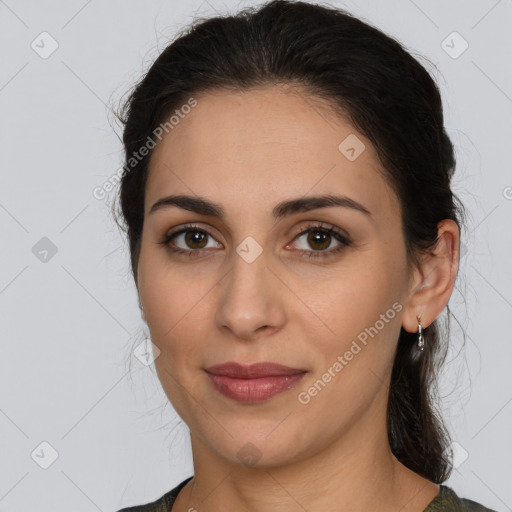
434 280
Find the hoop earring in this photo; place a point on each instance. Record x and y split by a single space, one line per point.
421 339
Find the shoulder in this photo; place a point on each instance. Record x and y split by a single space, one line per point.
162 504
449 501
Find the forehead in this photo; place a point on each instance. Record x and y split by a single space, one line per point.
263 146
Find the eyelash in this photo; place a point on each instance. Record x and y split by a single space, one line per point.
344 241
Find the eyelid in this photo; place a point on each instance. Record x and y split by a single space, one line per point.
184 229
190 227
321 226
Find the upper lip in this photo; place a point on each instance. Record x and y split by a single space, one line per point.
252 371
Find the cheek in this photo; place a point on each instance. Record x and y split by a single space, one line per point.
173 314
354 356
173 310
174 302
165 292
351 297
357 316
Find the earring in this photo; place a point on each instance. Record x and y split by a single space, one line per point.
421 340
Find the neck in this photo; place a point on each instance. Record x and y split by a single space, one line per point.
357 471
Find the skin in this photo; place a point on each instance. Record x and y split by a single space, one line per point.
248 151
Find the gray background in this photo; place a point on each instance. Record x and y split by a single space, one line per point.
69 320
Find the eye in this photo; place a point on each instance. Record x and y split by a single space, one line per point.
193 238
320 238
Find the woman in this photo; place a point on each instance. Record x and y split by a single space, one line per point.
293 240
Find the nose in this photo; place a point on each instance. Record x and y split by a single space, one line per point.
251 300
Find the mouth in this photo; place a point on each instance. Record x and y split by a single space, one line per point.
253 383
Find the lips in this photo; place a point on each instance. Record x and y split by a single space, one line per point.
253 383
253 371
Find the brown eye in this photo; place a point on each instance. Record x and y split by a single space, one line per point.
195 237
319 238
189 240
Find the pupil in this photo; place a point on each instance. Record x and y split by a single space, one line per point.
193 237
318 234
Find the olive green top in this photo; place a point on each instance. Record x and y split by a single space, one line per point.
446 501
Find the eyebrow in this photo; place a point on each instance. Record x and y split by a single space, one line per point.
286 208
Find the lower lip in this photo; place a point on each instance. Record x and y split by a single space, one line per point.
254 390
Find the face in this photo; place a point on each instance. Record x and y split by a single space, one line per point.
264 284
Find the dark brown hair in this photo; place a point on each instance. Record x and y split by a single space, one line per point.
386 94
